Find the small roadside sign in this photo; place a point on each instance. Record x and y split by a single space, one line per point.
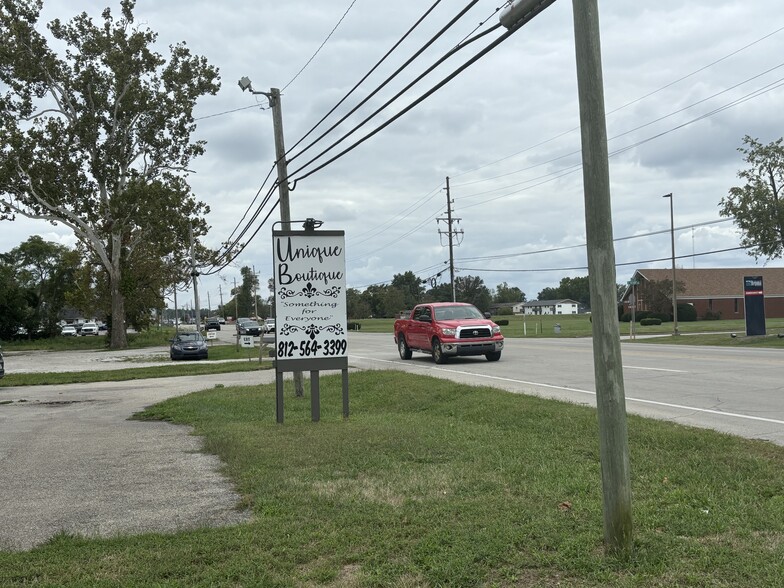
212 334
246 341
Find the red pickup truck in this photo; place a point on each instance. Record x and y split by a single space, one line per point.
448 329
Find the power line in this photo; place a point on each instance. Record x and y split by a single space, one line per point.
580 245
320 46
628 263
617 136
613 111
229 111
365 77
405 110
408 62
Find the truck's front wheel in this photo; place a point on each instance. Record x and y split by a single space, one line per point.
493 356
403 348
438 352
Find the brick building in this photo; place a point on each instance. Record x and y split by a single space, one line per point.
714 290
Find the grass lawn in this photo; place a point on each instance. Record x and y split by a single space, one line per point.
719 340
433 483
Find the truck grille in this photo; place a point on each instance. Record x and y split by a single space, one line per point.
473 332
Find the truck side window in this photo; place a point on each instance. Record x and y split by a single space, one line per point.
422 314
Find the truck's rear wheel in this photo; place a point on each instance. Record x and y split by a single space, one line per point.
438 352
403 348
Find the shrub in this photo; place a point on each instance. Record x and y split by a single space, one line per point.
353 326
664 317
687 313
642 314
711 316
646 322
502 322
505 311
626 317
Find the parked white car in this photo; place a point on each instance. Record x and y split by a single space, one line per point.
68 331
269 325
89 329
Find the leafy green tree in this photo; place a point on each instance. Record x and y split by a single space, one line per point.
576 289
411 287
100 139
549 294
439 293
15 308
472 289
656 295
356 306
505 293
392 302
47 270
244 292
757 205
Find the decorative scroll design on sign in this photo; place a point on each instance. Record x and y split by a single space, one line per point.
312 330
309 291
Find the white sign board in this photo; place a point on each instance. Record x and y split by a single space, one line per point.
246 341
310 295
212 334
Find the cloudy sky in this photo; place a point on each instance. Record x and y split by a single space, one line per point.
684 80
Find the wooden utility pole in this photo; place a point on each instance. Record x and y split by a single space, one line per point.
195 276
222 310
451 234
236 311
608 366
283 190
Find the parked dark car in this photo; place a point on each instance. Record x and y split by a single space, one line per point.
212 324
188 345
249 328
2 364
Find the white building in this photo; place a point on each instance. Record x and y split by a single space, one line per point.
537 307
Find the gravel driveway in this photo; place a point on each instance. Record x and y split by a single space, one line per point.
71 461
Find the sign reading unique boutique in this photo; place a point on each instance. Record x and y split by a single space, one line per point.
310 299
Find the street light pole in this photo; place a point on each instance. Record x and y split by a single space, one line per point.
674 294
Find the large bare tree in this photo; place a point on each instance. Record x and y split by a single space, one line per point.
99 138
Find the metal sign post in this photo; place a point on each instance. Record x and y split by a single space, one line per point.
310 309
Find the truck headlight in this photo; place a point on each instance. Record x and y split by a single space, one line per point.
448 332
496 330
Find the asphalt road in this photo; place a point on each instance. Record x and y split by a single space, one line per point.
71 461
733 390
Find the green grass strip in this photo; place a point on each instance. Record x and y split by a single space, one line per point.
163 371
433 483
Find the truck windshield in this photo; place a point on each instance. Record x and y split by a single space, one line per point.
447 313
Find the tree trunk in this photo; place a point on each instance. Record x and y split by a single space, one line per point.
119 338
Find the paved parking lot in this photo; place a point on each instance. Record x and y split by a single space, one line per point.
71 461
